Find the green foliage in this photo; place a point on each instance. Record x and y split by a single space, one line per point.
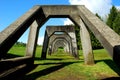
114 19
95 43
77 32
116 24
20 44
112 16
17 50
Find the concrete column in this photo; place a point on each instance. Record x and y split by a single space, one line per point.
32 39
49 50
13 32
67 48
45 46
74 45
86 44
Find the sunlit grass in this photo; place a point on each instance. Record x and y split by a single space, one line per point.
62 66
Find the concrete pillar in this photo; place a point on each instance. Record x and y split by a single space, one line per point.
45 46
107 37
49 50
13 32
74 45
67 48
86 44
32 39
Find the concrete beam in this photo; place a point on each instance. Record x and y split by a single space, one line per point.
13 32
67 29
60 10
107 37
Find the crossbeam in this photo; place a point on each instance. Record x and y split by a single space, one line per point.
77 13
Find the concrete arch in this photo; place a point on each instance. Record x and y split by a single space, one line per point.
79 14
61 42
61 36
69 30
35 18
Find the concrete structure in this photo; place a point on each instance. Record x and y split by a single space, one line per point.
50 30
60 42
66 43
86 44
38 15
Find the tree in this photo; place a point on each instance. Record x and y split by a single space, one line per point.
21 44
77 32
116 24
112 16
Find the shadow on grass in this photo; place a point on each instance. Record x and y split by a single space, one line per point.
35 75
37 58
10 55
21 72
57 58
112 78
113 66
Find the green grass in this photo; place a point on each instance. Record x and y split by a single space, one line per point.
62 66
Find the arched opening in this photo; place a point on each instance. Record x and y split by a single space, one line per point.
60 31
20 45
40 14
64 38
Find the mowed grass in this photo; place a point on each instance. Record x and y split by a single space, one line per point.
62 66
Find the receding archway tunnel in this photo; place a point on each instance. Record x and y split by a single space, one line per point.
68 30
80 15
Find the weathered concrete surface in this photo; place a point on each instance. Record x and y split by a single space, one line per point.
102 32
32 39
59 10
67 48
107 37
61 42
86 44
71 32
45 45
13 32
68 29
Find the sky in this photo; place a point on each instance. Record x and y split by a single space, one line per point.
10 10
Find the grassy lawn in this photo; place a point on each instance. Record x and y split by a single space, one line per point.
62 66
